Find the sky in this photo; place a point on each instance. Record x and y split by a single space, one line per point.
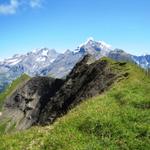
65 24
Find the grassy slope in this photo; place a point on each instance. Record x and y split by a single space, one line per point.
117 119
12 87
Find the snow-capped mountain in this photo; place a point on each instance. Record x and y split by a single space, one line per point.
62 65
66 61
94 47
29 63
47 62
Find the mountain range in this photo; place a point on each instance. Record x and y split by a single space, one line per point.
48 62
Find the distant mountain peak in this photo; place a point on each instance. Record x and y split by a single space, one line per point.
91 41
91 46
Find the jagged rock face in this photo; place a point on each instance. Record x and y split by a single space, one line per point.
86 80
42 100
25 104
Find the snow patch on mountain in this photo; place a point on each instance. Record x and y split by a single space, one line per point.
40 59
45 52
104 44
14 62
34 50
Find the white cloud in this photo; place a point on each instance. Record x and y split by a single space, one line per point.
14 5
9 8
35 3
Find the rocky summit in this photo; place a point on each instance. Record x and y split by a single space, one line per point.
41 100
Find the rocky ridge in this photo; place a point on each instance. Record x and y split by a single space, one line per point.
42 100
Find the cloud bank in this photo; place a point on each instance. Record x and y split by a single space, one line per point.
14 5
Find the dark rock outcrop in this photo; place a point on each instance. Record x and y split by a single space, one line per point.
25 104
86 80
42 100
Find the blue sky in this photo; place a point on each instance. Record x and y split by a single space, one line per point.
65 24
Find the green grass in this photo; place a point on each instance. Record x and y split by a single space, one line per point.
14 85
119 119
